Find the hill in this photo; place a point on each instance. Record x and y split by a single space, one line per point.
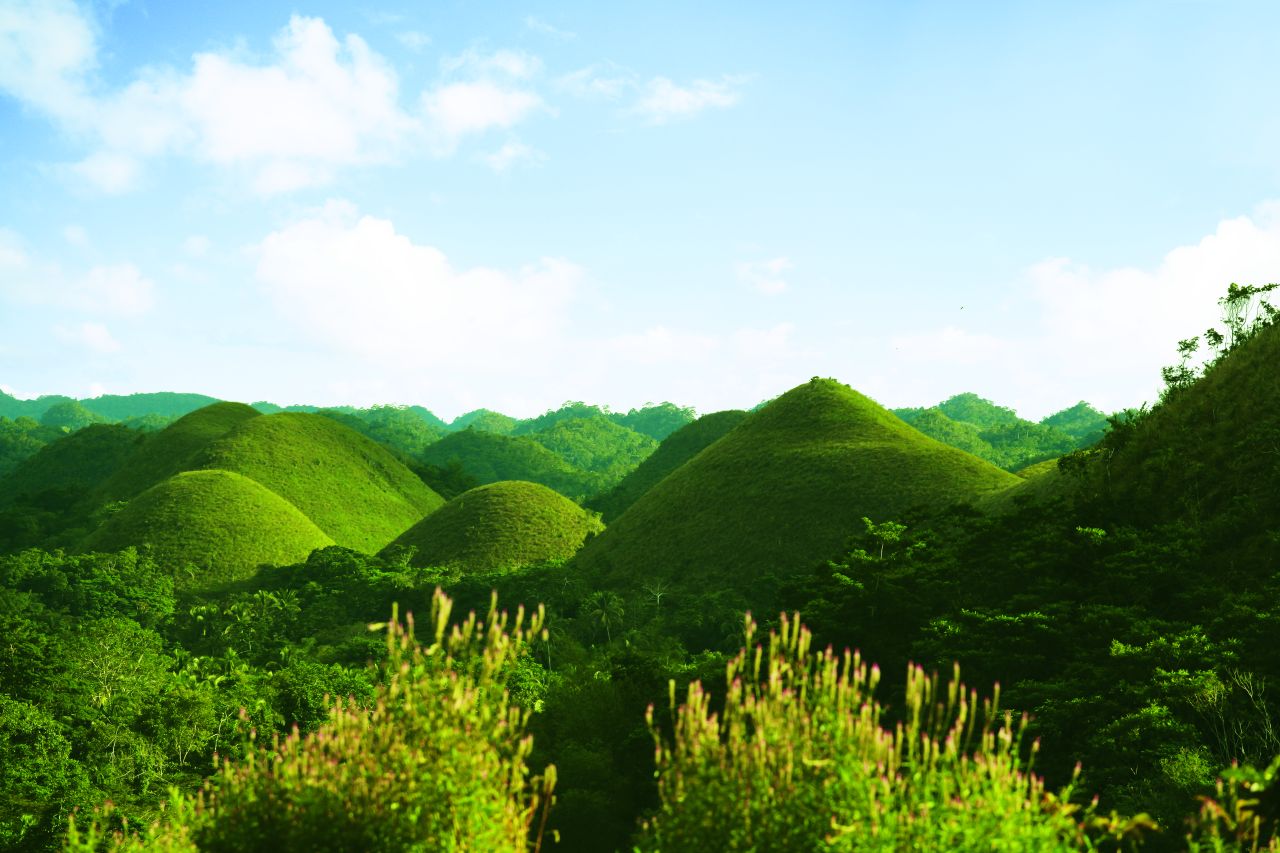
486 420
121 407
491 458
353 488
80 462
1082 422
597 444
782 490
174 448
675 450
211 527
500 526
656 421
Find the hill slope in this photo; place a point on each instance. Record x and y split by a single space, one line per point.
211 527
79 462
350 486
491 458
499 526
596 444
781 491
173 448
675 450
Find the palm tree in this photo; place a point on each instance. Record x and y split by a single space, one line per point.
604 609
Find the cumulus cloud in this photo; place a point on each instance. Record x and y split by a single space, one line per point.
1098 334
357 283
511 154
461 109
662 100
113 289
46 48
765 276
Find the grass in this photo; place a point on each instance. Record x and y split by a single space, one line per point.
675 450
353 488
211 527
173 448
492 458
783 490
500 526
81 461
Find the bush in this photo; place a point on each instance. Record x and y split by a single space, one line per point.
799 760
437 763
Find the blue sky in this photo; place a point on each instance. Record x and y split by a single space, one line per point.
512 205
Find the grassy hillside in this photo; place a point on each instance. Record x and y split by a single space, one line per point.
121 407
783 489
174 448
675 450
79 462
211 527
486 420
500 526
350 486
490 458
597 444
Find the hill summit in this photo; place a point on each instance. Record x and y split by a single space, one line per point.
500 526
782 490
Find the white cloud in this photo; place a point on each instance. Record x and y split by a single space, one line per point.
46 48
197 245
461 109
354 282
109 171
594 81
76 235
92 336
114 289
765 276
511 154
662 100
538 25
509 63
414 40
1096 334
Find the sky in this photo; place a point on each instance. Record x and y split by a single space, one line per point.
515 204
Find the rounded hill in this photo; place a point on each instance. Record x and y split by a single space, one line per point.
492 458
783 490
211 527
173 448
353 488
675 450
79 462
500 526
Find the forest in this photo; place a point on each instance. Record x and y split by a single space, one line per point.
817 625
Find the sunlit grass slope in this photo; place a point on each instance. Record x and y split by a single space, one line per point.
491 458
675 450
211 527
782 490
500 526
173 448
353 488
81 462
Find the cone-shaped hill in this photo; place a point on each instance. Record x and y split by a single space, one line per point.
675 450
500 526
79 462
173 448
353 488
211 527
782 490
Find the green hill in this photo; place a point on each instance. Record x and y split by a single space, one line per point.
971 409
491 458
1082 422
500 526
782 490
597 444
656 421
211 527
486 420
675 450
569 411
353 488
996 434
174 448
121 407
79 462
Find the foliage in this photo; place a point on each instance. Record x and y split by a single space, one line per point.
490 458
656 421
211 527
439 762
596 444
484 420
81 461
498 527
799 759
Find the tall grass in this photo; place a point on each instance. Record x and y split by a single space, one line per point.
439 762
799 759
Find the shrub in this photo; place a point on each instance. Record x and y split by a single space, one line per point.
437 763
799 760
